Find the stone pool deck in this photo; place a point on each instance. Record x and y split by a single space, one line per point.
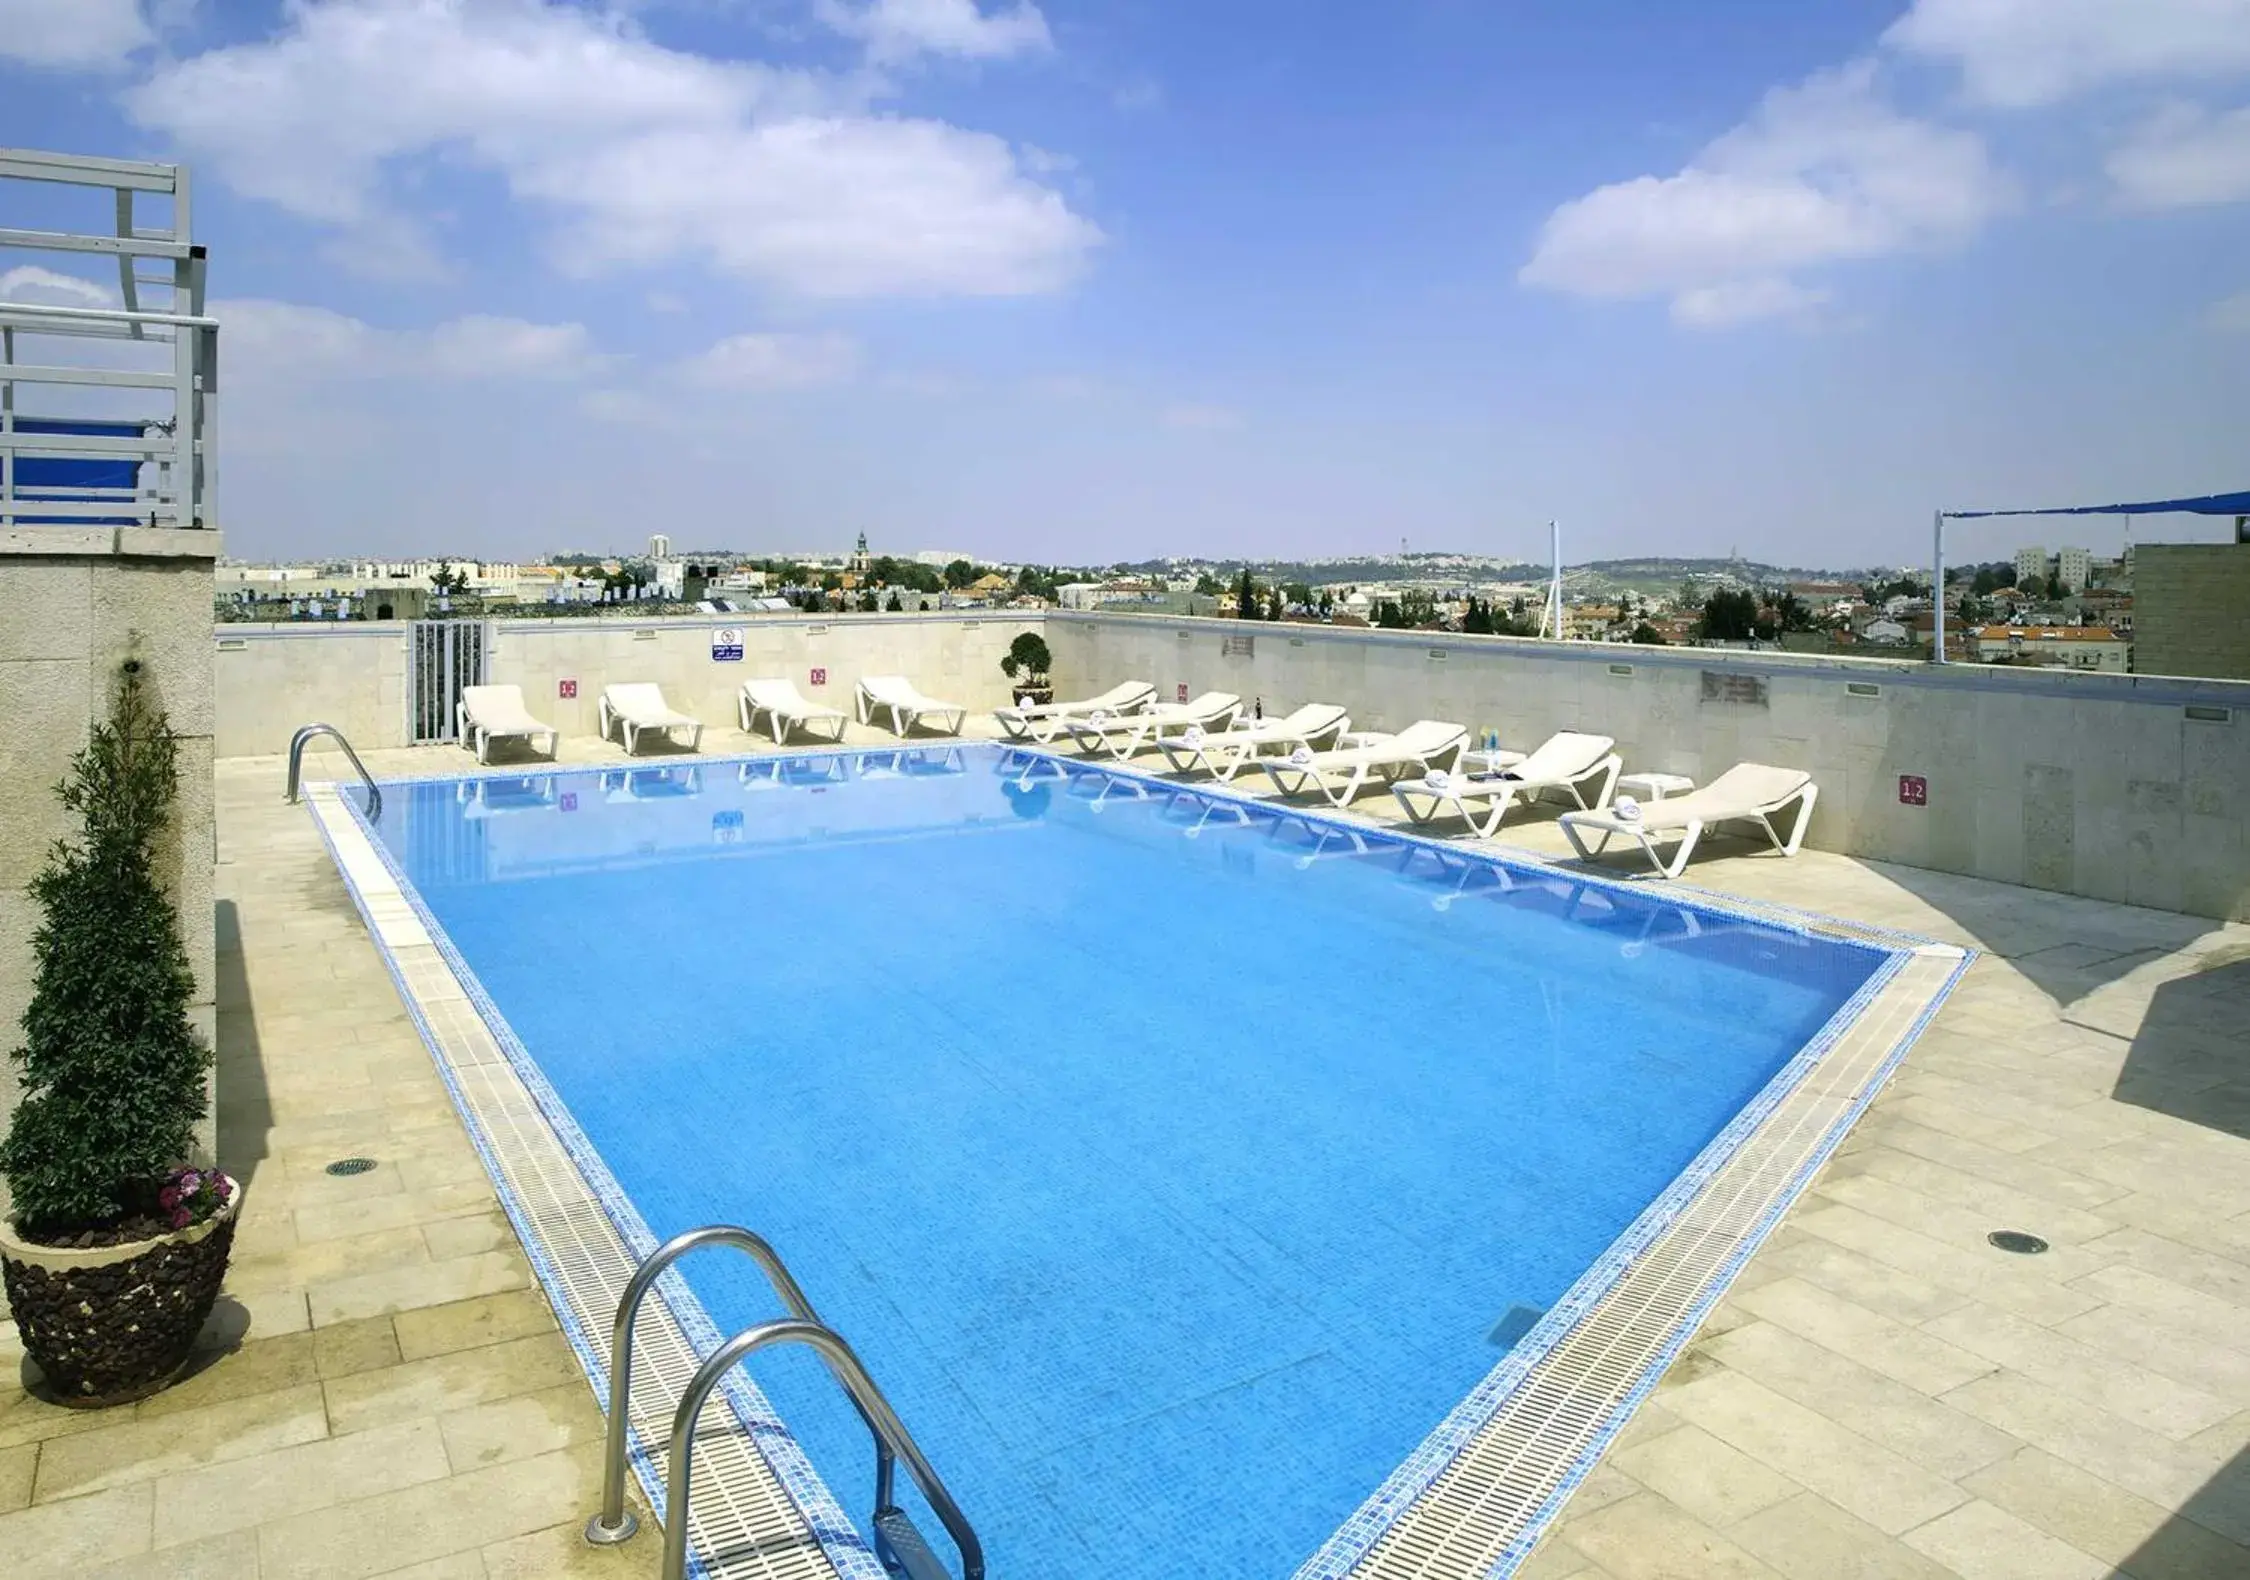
1881 1395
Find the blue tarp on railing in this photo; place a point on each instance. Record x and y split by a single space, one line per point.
2207 505
75 479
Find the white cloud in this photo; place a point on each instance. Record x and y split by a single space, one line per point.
1200 419
896 30
72 35
275 342
1822 173
2021 53
30 283
2231 316
1740 301
2184 156
646 154
769 361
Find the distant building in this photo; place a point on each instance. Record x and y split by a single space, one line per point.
659 547
2191 609
2094 647
2074 568
861 561
941 558
2031 566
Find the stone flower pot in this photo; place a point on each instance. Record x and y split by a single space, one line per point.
114 1323
1040 695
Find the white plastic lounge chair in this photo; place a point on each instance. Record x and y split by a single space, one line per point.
907 707
1042 722
1340 774
786 709
1121 738
1749 791
1567 761
1225 754
496 713
639 708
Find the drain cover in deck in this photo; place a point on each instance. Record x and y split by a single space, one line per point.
351 1165
2017 1241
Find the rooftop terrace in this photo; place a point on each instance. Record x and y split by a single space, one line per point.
1881 1393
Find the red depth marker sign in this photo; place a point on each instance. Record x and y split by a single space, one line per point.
566 689
1913 790
820 677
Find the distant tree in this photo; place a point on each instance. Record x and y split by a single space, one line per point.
1729 615
1388 615
1208 585
1275 608
1791 613
867 604
1246 596
1299 594
1477 620
831 582
894 606
1647 634
1990 579
1327 603
2055 588
959 574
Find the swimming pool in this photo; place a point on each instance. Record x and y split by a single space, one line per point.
1176 1165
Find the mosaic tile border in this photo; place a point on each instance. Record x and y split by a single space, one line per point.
1395 1504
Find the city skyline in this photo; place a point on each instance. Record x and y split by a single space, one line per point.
1082 284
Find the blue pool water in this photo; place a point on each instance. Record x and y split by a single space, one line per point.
1175 1168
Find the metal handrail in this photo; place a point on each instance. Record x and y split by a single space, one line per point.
303 737
876 1410
615 1523
894 1532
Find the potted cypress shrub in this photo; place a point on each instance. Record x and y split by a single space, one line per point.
115 1251
1026 664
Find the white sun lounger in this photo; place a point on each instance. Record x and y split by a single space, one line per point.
1340 774
1567 761
1224 754
1121 738
639 708
907 707
786 709
1042 722
1749 791
496 713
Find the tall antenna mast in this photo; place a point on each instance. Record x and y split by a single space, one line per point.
1550 618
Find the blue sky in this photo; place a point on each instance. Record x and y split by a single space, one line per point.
1106 278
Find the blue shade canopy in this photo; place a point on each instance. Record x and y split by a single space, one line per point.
2208 505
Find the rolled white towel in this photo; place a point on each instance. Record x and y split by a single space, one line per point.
1098 718
1439 780
1301 756
1193 735
1626 808
1023 704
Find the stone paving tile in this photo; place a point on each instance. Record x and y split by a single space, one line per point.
1909 1355
489 1319
15 1475
287 1481
1862 1280
2105 1520
468 1511
347 1348
451 1381
233 1556
1809 1538
1888 1491
2146 1399
408 1288
139 1450
1703 1476
1977 1274
1908 1422
533 1423
72 1535
1980 1542
1649 1538
2086 1436
561 1553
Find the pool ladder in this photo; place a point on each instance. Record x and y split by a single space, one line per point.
305 737
899 1545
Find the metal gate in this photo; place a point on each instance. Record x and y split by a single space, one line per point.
442 656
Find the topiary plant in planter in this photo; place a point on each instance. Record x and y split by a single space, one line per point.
1026 664
116 1251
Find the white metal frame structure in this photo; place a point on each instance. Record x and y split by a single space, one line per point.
175 451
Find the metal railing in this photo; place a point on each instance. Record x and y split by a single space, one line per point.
305 737
898 1543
